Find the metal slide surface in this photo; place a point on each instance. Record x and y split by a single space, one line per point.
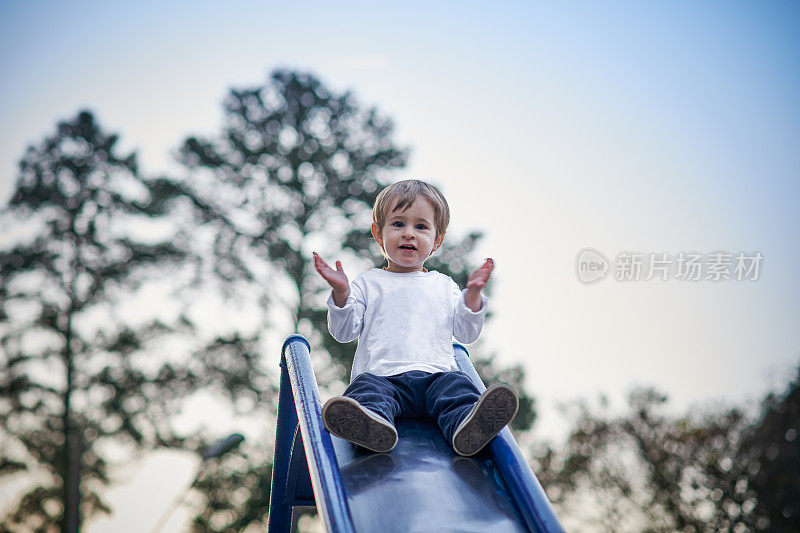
422 485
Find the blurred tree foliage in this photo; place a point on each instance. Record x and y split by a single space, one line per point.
296 168
81 384
773 446
647 471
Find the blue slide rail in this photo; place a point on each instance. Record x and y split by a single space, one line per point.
308 475
526 491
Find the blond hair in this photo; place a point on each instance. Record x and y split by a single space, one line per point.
401 195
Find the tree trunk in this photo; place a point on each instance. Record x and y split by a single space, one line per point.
72 451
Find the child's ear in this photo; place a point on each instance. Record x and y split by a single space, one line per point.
376 234
438 241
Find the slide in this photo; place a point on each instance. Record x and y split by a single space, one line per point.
421 485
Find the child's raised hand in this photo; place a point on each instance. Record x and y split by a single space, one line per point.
479 278
477 281
337 279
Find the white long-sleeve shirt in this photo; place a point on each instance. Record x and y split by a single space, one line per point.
404 321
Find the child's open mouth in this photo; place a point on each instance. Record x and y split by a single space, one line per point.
407 247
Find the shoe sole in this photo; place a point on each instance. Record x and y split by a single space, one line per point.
346 418
495 410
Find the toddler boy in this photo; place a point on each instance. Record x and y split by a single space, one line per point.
405 318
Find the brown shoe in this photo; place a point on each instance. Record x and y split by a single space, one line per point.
348 419
492 412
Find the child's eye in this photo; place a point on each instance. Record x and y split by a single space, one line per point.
397 224
422 227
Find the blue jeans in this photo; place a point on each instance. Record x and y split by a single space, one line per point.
445 397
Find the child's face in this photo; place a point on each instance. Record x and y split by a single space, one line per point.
408 237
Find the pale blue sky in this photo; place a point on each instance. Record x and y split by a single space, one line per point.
638 126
